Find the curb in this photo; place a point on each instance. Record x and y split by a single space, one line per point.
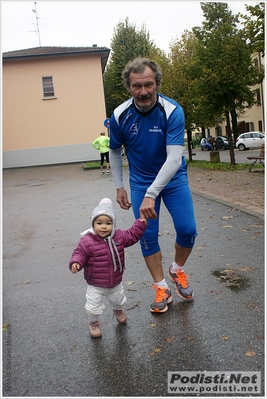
230 204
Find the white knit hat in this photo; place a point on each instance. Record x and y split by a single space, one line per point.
104 208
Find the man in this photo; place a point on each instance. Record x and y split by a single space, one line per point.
102 145
151 126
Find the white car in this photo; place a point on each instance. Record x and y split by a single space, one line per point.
250 140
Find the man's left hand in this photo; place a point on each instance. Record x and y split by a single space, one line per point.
147 209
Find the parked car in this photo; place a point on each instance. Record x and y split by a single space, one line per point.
221 143
250 140
205 145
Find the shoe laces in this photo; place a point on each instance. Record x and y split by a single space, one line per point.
160 293
118 312
182 278
95 325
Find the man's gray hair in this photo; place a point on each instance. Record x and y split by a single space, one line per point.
138 65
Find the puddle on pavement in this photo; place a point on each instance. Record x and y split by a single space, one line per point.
232 279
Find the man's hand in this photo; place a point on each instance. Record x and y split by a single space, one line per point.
147 209
122 199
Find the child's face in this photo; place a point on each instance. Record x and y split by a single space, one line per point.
103 225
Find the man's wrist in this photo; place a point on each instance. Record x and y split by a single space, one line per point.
150 195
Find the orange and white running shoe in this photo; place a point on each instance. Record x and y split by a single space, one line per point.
163 297
183 289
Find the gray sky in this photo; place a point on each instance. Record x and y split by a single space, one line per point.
84 23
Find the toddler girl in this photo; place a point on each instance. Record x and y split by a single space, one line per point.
100 252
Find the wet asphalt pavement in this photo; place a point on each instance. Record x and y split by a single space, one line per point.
47 350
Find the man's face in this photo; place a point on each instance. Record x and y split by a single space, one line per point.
143 88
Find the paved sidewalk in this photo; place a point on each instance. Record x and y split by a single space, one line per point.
240 188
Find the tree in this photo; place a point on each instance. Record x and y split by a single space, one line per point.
127 44
159 56
177 85
181 86
254 28
254 32
183 76
223 68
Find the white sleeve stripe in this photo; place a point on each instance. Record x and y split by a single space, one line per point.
167 105
121 108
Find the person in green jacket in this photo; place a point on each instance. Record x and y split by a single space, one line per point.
102 145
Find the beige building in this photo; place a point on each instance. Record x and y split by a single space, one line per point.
53 104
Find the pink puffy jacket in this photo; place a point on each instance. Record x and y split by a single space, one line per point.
103 259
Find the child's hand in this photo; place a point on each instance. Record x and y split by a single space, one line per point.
143 220
75 267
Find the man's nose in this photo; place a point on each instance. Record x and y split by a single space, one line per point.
143 91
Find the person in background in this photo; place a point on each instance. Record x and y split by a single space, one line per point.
211 141
152 126
100 252
102 145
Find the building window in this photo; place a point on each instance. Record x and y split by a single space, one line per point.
218 131
48 87
249 127
258 94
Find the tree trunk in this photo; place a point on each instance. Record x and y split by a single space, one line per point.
189 143
230 139
234 123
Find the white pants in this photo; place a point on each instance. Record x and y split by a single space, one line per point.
94 298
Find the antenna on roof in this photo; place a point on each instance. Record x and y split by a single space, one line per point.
37 24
